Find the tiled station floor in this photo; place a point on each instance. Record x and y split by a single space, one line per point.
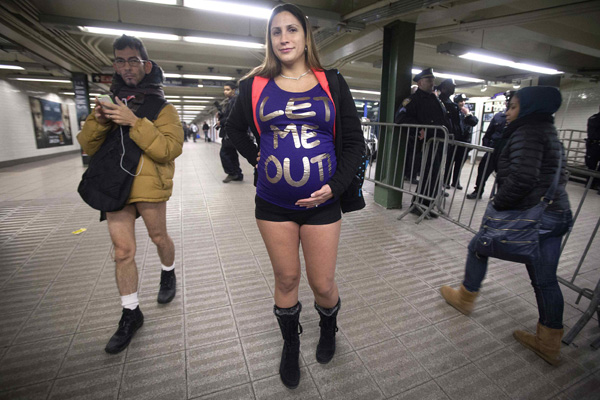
218 339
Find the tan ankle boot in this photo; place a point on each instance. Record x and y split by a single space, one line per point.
545 343
461 299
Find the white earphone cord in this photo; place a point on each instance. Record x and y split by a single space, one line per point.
123 155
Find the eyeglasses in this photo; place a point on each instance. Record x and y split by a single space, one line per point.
133 62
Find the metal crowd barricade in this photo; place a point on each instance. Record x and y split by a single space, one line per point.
592 295
574 143
409 158
403 147
456 208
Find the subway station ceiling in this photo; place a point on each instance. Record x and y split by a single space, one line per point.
45 38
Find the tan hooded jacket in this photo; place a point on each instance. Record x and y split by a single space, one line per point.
161 142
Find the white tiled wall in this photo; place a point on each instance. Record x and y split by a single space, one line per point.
16 125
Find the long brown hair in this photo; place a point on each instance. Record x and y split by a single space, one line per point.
271 66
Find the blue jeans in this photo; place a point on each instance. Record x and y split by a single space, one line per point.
542 274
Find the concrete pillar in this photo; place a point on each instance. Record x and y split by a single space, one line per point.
396 78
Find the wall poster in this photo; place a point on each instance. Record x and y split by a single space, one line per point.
51 123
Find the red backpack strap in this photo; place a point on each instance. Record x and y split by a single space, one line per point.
258 85
322 78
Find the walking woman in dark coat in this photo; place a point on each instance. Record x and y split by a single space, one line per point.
526 168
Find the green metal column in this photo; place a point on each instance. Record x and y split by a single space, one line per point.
396 78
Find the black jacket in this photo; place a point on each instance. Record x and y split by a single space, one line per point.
423 108
593 127
467 122
527 164
494 131
349 139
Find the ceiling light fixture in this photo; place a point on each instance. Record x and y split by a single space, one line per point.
365 91
450 76
119 32
172 75
4 66
517 85
229 8
208 77
508 63
167 2
483 87
42 80
223 42
200 97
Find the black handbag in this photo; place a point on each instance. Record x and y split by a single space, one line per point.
513 235
105 186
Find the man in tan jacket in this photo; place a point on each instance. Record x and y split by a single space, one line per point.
137 88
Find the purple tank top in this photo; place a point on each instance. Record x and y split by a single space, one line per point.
297 153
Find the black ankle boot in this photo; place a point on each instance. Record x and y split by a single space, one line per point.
168 287
289 323
131 321
328 324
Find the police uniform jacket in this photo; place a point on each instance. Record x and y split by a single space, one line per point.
453 114
425 109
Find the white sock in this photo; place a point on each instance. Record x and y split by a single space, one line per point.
130 301
171 268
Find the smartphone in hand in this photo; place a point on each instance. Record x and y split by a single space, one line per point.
104 98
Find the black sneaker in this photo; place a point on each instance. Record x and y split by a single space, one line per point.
167 287
239 177
473 196
229 178
130 322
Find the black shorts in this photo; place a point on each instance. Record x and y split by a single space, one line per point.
322 215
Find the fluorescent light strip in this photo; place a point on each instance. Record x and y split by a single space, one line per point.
366 91
449 76
229 8
208 77
172 75
200 97
119 32
167 2
67 94
4 66
223 42
41 80
507 63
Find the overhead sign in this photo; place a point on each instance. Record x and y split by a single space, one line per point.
102 78
82 104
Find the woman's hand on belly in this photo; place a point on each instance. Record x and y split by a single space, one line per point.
316 198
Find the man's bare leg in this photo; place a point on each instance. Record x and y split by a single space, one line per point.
155 218
121 226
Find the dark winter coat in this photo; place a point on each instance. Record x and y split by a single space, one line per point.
528 162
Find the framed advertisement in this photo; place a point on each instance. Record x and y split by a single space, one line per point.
51 123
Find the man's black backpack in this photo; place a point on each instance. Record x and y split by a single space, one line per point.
106 184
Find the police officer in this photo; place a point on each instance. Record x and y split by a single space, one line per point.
446 89
424 108
465 133
592 147
492 137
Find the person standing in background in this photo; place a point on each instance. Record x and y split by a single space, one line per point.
205 129
592 147
228 153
